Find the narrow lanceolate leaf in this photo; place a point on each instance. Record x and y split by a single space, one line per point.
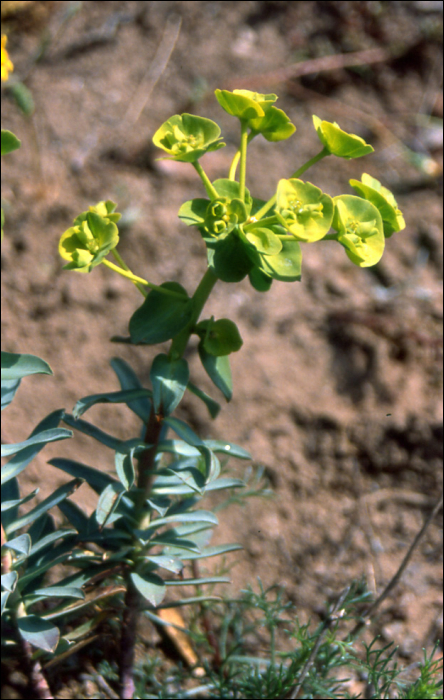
219 371
23 457
52 537
59 592
214 551
125 469
38 632
184 431
169 379
151 587
225 483
9 581
197 581
108 502
211 404
18 365
41 439
7 505
20 544
89 429
228 448
129 380
97 479
9 389
59 495
111 397
169 563
195 516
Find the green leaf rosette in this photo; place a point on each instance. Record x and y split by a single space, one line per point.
187 137
258 110
303 209
360 230
373 191
338 142
92 237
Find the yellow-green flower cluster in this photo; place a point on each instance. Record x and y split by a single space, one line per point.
92 237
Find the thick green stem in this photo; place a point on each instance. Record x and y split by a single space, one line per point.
243 159
199 298
211 191
259 214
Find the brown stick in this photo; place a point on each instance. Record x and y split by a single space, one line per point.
395 579
315 65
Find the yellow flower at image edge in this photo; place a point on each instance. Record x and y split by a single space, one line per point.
86 244
7 65
360 231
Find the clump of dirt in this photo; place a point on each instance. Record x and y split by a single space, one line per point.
337 388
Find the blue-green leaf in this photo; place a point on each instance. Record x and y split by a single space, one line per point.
184 431
197 581
20 544
211 404
89 429
7 505
161 316
219 371
215 551
151 587
227 448
167 562
111 397
59 592
169 379
59 495
9 581
129 380
98 480
38 632
9 389
125 469
108 502
19 365
40 439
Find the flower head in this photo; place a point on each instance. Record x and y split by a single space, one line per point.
258 110
338 142
303 209
7 65
92 237
244 104
187 137
359 227
222 215
373 191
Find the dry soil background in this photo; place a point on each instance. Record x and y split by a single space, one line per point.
337 389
